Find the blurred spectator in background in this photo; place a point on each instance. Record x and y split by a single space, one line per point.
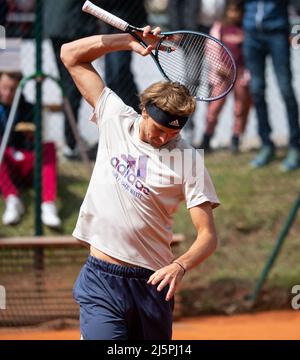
267 31
3 12
230 32
294 8
64 21
194 15
20 18
210 11
17 166
118 73
184 15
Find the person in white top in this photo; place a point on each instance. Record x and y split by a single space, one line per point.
126 288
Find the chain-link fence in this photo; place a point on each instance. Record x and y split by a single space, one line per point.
31 275
65 117
35 290
69 138
66 131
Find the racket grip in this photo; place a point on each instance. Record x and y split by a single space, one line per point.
105 16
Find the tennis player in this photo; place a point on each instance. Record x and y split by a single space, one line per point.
126 288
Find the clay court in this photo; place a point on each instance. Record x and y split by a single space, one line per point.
273 325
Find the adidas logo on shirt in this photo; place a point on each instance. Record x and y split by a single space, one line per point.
174 123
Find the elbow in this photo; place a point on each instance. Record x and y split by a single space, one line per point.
66 55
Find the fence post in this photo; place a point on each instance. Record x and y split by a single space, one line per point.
276 250
38 115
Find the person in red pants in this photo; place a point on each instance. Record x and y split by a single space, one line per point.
16 170
230 32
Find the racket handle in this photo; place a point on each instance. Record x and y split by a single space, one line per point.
105 16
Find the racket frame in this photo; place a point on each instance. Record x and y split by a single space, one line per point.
122 25
199 98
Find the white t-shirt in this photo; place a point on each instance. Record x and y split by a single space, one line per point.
135 189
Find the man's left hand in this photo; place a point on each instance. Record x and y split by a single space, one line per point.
171 274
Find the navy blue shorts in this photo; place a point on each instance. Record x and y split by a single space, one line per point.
116 303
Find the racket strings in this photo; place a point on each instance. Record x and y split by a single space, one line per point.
201 52
192 50
184 65
177 70
200 63
194 55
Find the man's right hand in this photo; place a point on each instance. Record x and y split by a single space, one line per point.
151 37
79 55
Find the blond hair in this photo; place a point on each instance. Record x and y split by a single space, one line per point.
171 97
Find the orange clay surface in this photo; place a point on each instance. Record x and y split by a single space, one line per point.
273 325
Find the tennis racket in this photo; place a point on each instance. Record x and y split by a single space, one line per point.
199 61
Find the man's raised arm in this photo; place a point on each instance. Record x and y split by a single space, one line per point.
78 56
